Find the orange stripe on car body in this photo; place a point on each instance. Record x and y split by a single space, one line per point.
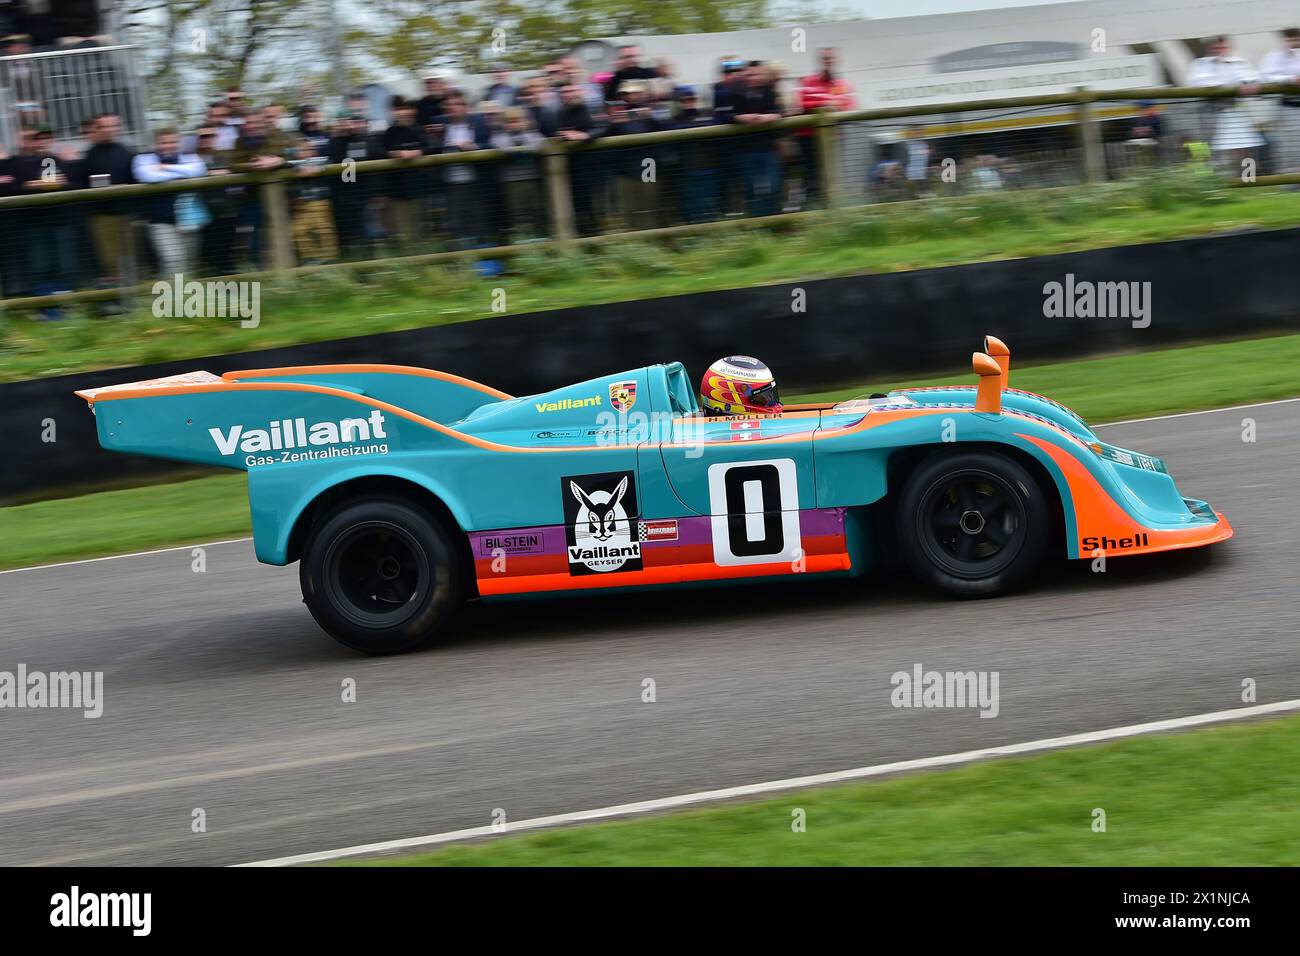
364 369
870 419
1097 514
675 574
236 387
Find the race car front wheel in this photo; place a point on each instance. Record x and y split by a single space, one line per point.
380 575
973 524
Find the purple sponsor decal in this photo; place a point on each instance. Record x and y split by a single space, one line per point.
697 529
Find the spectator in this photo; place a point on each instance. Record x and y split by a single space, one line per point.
700 195
627 67
491 199
753 104
1234 134
108 163
494 116
666 72
171 229
259 149
984 174
49 237
549 84
889 181
532 97
501 90
351 140
216 119
916 163
593 93
520 175
663 99
273 116
1283 66
731 70
309 128
429 111
638 194
313 215
237 106
404 140
1144 135
574 124
731 77
8 183
465 132
13 222
1147 127
217 242
823 90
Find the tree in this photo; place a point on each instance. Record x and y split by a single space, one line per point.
475 36
189 50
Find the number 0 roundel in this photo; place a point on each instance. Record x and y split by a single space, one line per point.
755 512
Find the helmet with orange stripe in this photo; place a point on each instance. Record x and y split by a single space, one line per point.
739 385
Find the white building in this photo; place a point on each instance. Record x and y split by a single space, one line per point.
1039 49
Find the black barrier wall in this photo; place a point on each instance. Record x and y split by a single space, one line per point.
852 329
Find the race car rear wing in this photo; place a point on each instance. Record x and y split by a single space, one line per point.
288 414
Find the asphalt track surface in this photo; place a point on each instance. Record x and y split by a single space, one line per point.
221 693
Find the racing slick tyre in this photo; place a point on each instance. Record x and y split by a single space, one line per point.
380 575
972 524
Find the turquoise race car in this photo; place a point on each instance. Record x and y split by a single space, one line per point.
404 492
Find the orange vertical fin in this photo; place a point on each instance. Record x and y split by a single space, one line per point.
996 348
988 396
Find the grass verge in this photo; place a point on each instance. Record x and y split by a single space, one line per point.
125 520
1101 389
1221 796
887 238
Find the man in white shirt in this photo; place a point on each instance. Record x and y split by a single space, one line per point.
1235 135
174 238
917 164
1283 66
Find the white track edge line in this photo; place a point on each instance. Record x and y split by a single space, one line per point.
182 547
1203 411
131 554
771 786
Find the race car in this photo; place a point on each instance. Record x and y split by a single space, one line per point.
405 492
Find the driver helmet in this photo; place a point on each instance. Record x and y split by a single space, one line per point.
739 385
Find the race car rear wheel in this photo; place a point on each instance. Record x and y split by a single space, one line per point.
380 575
973 524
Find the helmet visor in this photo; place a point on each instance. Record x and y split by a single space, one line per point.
762 396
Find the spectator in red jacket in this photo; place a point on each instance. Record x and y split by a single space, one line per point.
825 89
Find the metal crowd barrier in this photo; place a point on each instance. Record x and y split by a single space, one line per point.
64 87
